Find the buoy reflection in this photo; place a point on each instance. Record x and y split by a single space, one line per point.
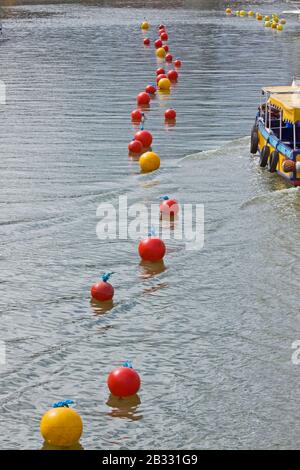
125 408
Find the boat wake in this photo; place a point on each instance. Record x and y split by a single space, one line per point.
234 147
275 194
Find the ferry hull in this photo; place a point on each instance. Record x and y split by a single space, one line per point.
264 138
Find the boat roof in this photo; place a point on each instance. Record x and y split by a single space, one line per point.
288 103
282 89
285 98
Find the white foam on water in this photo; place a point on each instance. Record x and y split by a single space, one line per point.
265 197
228 148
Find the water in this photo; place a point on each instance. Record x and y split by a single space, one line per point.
210 332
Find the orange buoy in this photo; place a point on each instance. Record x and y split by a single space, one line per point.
289 166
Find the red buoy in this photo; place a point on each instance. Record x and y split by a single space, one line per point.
151 89
164 36
143 98
135 146
145 137
177 63
103 290
169 58
166 47
170 114
160 71
152 249
159 77
136 115
124 381
158 43
169 207
172 75
146 42
161 26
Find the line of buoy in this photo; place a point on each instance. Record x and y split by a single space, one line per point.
270 21
61 426
149 160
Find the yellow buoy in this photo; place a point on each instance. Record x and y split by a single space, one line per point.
228 11
268 24
161 53
275 19
145 25
237 13
283 21
164 84
242 13
274 25
279 27
267 18
149 161
250 13
61 426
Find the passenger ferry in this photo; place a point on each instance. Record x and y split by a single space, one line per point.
276 132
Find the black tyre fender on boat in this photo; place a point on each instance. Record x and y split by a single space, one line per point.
254 140
273 161
263 159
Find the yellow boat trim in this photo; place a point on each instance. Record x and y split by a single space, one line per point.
288 103
262 142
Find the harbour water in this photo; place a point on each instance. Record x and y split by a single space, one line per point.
211 332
